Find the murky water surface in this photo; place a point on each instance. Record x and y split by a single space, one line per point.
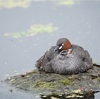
29 28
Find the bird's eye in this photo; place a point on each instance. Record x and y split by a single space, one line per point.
62 44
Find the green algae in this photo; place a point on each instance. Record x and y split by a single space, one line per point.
8 4
65 81
49 85
15 3
98 79
66 2
33 30
43 84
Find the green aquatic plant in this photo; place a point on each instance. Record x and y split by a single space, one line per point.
34 30
65 81
42 28
26 3
43 84
66 2
14 3
98 79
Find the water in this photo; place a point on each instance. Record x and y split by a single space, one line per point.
79 22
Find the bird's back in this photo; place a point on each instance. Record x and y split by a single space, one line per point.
69 63
77 61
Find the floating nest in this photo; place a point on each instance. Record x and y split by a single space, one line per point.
46 84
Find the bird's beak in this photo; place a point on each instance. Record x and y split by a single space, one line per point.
60 47
56 48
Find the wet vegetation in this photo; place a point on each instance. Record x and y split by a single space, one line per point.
51 83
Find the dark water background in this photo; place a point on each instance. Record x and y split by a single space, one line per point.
79 22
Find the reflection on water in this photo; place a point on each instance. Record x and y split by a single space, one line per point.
79 22
85 96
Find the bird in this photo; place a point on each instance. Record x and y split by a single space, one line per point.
65 58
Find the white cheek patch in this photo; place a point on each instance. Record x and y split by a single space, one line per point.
69 51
